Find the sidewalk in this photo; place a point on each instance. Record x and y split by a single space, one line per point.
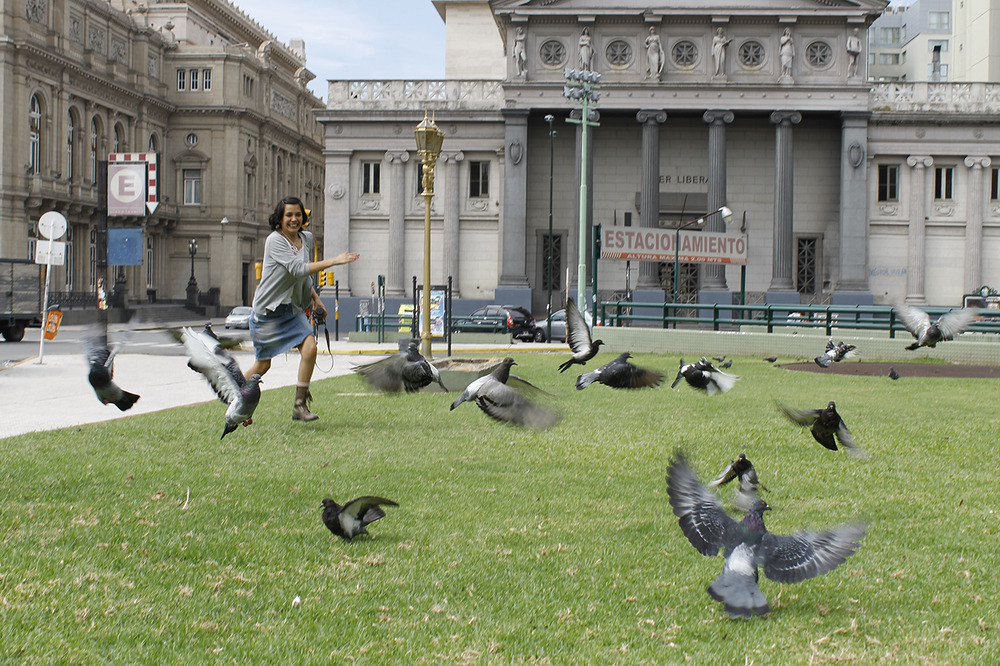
56 394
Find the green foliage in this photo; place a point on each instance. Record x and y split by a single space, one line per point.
149 540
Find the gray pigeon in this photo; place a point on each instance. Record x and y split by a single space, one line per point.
746 545
501 402
101 361
704 376
928 333
620 374
408 371
835 353
223 374
578 337
824 424
350 520
893 374
741 469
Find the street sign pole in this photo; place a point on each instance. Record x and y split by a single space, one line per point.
52 225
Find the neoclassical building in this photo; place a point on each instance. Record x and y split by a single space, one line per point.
847 192
211 92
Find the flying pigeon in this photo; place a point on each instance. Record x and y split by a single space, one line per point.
223 374
350 520
101 360
704 376
741 469
834 353
893 374
928 334
747 544
408 371
578 337
719 359
621 374
503 403
824 424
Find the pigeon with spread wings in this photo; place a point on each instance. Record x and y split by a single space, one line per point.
503 403
620 374
101 359
408 371
928 333
223 374
826 426
351 519
578 337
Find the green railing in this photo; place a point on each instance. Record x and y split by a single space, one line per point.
774 316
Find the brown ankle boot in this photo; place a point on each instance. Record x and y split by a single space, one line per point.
300 412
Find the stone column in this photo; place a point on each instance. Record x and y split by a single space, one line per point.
974 222
916 240
512 286
851 285
452 204
337 214
781 270
395 243
649 195
713 276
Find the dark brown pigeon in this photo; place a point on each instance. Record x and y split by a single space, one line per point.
746 545
825 426
101 361
746 492
620 374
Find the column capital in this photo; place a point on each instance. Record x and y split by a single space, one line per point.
650 116
452 157
978 161
713 116
400 157
920 161
855 118
786 117
518 116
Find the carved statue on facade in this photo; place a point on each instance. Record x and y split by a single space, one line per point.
586 50
654 54
519 52
719 44
786 53
853 51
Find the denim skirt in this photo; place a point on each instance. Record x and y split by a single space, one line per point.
275 333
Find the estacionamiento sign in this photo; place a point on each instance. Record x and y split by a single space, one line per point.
696 247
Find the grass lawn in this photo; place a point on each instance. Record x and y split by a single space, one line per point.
148 540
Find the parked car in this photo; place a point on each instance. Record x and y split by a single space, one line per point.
511 319
559 324
239 317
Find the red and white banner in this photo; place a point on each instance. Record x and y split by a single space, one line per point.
695 247
123 187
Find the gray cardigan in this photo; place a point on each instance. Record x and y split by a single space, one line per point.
285 276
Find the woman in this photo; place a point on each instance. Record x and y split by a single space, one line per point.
285 292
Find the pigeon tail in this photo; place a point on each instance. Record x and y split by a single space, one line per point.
739 594
126 400
563 367
228 429
585 380
915 345
823 361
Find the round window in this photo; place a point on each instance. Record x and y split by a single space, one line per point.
751 54
552 53
819 55
684 53
619 53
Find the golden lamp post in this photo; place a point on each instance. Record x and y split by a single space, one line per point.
429 139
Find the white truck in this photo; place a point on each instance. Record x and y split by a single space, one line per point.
21 290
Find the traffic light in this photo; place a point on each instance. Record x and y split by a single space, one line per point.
321 279
258 268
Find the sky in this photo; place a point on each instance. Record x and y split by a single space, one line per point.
358 39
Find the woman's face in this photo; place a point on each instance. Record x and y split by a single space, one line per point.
291 220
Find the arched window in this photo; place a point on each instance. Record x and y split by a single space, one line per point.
70 146
95 133
152 143
120 145
35 135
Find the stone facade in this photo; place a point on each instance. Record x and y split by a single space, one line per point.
199 83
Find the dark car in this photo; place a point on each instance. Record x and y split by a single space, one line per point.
510 319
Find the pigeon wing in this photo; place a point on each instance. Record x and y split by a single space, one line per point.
577 333
790 559
804 417
503 403
703 520
720 382
367 509
222 373
385 374
727 475
416 375
954 322
916 321
625 375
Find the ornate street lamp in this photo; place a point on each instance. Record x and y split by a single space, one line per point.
192 288
727 215
429 139
548 308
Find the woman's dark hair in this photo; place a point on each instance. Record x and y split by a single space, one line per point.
279 212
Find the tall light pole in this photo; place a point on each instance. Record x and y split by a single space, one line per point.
583 87
552 151
192 288
727 215
429 139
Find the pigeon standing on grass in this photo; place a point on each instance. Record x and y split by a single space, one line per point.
503 403
101 361
928 333
578 337
893 374
741 469
747 544
835 353
620 374
824 424
350 520
704 376
223 374
408 371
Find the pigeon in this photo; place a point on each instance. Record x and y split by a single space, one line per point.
501 402
928 334
771 359
408 371
893 374
620 374
223 374
834 353
704 376
101 360
728 364
824 424
578 337
350 520
747 544
719 359
741 469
